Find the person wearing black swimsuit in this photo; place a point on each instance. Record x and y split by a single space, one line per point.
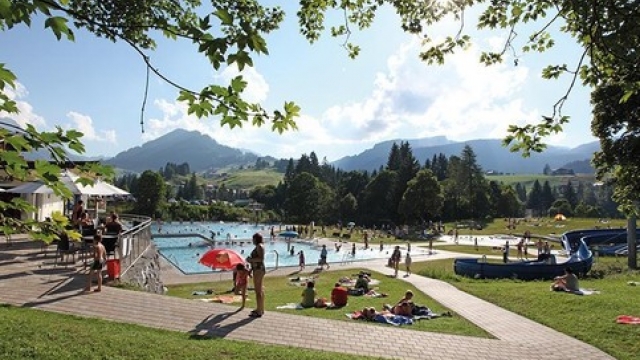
256 259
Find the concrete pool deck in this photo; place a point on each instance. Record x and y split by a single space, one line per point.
27 279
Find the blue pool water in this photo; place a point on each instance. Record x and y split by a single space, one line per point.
184 252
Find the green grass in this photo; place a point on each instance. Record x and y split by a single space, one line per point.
540 227
248 179
280 292
528 179
587 318
33 334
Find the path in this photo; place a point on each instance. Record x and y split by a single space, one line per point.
24 283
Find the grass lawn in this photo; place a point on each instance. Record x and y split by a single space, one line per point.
587 318
33 334
280 292
542 226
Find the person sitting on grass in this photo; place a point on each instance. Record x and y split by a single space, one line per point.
566 282
309 295
339 296
362 283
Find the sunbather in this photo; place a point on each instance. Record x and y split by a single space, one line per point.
566 282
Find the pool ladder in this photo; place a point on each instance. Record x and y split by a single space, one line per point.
277 258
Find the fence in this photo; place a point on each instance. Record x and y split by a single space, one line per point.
134 241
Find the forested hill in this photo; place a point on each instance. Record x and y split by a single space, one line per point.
200 151
491 155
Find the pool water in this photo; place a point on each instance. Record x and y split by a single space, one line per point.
184 252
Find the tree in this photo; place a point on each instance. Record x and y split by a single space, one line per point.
150 193
348 208
561 206
423 199
376 197
535 199
546 170
307 199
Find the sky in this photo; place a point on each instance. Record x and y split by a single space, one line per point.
97 87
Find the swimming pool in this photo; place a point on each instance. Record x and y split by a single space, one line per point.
184 251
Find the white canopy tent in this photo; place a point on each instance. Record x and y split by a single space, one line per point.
45 200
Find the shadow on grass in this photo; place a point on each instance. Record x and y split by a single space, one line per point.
219 325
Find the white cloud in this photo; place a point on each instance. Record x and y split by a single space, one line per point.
84 124
26 115
462 100
257 88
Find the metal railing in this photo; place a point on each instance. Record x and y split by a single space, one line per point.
133 242
277 258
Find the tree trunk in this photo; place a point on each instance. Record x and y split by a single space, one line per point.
631 242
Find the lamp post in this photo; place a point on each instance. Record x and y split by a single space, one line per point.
631 239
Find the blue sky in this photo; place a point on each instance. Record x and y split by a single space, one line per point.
97 87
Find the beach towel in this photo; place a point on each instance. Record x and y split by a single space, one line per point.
374 294
291 306
628 319
633 283
395 320
202 292
224 299
585 292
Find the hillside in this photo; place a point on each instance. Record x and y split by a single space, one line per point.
491 155
180 146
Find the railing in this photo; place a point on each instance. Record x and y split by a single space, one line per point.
277 258
133 242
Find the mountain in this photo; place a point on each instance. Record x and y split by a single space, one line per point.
490 154
180 146
580 167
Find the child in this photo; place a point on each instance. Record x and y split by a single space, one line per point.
242 278
301 261
407 262
99 258
309 295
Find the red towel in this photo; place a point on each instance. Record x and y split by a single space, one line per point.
628 319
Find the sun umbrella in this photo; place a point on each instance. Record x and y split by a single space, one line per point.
288 234
222 259
351 223
69 179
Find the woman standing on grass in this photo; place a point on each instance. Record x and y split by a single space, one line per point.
256 259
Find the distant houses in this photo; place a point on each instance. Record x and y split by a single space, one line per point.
562 172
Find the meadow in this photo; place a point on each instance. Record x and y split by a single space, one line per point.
588 318
281 291
29 334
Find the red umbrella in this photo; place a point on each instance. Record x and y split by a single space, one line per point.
223 259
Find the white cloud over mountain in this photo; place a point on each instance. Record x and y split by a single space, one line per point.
462 100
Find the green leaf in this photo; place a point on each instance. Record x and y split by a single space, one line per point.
225 17
6 77
58 25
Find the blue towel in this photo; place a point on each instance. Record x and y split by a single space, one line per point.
395 320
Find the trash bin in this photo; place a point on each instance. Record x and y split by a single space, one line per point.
113 268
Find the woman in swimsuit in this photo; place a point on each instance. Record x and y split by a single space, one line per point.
257 265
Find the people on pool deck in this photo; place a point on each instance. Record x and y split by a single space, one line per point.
407 263
323 258
301 261
99 259
78 209
339 295
353 250
241 280
566 282
256 259
395 260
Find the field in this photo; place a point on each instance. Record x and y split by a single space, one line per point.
280 291
587 318
528 180
538 227
29 334
247 179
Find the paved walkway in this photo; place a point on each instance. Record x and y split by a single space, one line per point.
25 281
